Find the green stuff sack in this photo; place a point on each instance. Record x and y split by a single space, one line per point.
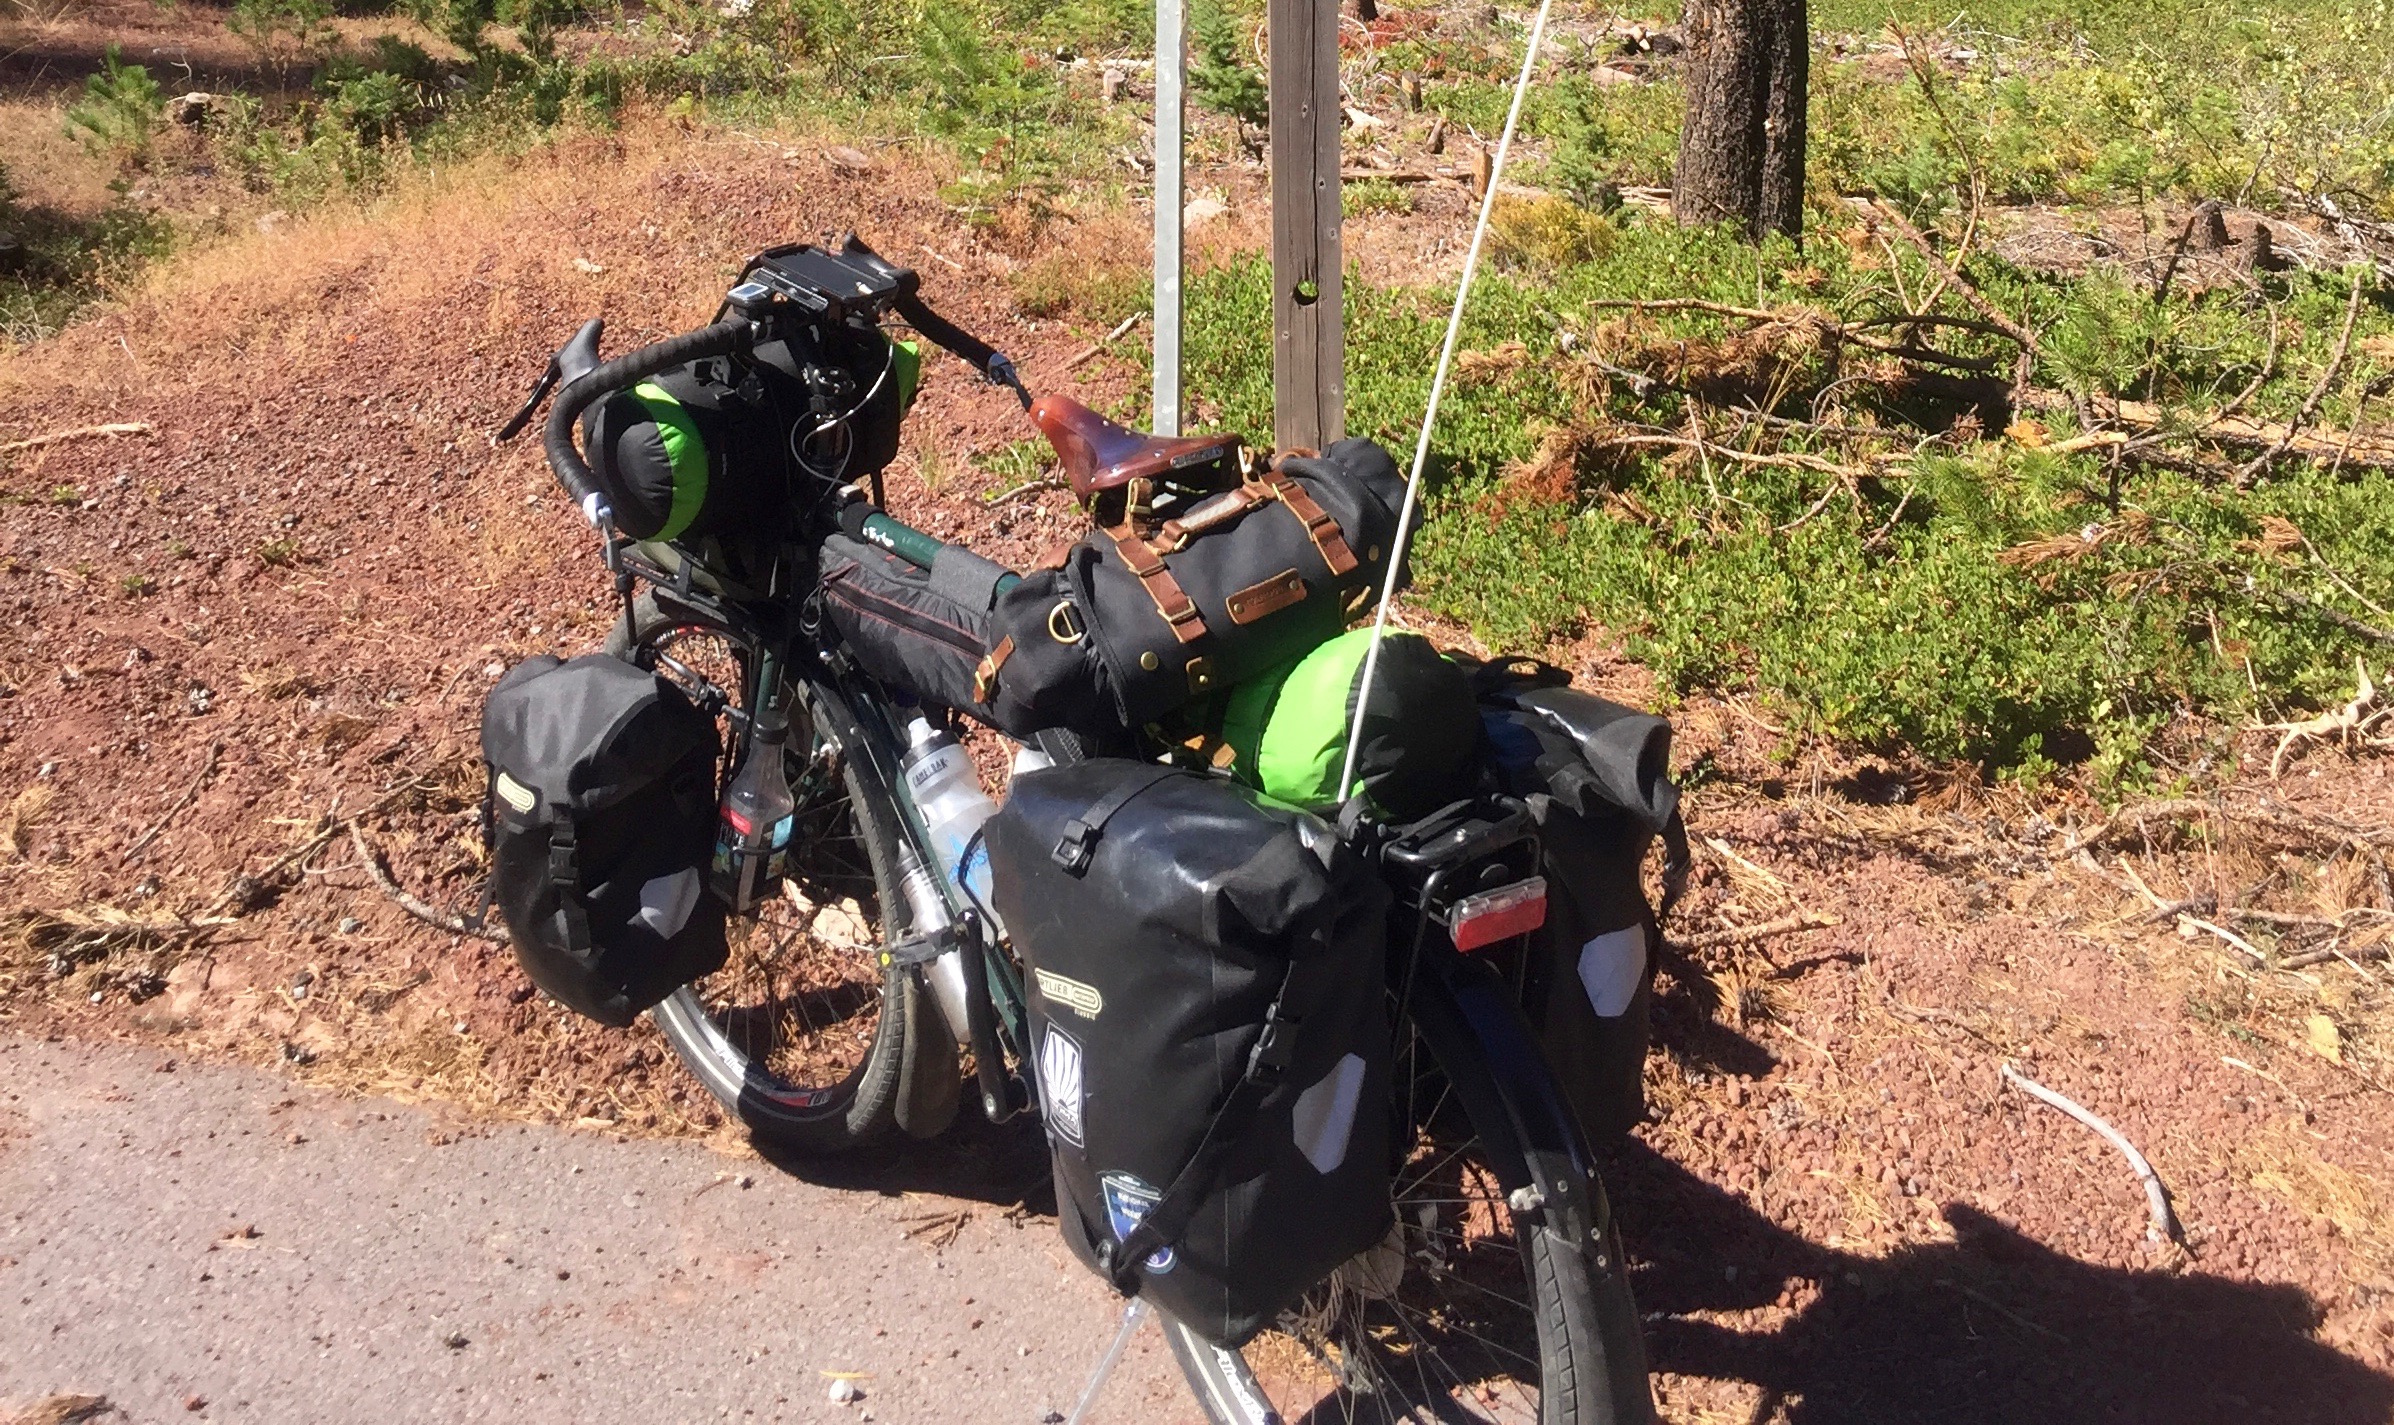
1287 729
722 447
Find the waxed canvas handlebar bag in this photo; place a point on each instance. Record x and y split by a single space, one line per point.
1210 1033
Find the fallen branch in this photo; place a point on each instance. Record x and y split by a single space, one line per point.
2157 1197
2319 390
206 768
2230 936
1951 276
454 924
2354 719
2287 598
2309 958
2227 428
1797 923
246 888
1089 352
109 432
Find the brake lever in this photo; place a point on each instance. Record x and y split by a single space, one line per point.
523 416
1002 373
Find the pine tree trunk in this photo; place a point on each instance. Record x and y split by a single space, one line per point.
1783 121
1719 176
1741 143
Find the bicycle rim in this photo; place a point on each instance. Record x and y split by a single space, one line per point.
797 1033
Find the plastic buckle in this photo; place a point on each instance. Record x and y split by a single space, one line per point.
562 870
1274 1049
1078 845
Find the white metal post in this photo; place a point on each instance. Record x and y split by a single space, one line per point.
1171 88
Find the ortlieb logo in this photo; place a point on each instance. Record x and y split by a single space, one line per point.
1081 999
515 793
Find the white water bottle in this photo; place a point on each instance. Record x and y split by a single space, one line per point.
947 791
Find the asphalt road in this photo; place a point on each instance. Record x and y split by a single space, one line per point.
218 1235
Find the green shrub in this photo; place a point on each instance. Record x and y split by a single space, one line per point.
1219 76
119 111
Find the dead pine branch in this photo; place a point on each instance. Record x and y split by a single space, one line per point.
98 432
454 924
1951 276
2319 390
2304 603
207 769
2157 1197
1795 924
2356 719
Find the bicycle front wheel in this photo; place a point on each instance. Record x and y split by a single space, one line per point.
1468 1311
805 1034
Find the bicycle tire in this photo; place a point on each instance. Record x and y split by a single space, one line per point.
1590 1348
737 1030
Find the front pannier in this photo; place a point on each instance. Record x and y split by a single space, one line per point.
1209 1033
1139 626
601 812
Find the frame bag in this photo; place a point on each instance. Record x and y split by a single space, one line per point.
1209 1033
601 815
1596 776
926 631
1129 628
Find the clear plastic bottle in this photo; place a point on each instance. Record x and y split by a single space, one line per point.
752 833
947 791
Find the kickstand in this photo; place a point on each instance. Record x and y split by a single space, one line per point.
1132 1315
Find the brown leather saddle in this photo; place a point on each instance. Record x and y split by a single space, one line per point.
1116 472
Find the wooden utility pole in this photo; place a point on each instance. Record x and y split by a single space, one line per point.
1741 144
1309 382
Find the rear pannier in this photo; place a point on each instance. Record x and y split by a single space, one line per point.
601 813
1210 1033
1596 776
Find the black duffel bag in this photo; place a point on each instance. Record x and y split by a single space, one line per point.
1596 776
1130 629
1209 1031
601 813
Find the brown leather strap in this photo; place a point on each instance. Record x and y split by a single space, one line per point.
1319 526
1176 534
985 676
1172 601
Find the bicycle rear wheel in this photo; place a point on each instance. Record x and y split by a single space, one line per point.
1468 1311
805 1034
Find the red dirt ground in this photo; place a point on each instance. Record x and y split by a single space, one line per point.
303 579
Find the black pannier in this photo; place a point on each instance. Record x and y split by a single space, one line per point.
923 630
1131 629
1596 776
1210 1033
601 812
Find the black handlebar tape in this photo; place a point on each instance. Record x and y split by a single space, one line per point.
969 348
722 339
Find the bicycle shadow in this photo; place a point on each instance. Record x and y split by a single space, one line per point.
1002 1165
1994 1326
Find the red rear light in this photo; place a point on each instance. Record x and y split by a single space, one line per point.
1501 914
